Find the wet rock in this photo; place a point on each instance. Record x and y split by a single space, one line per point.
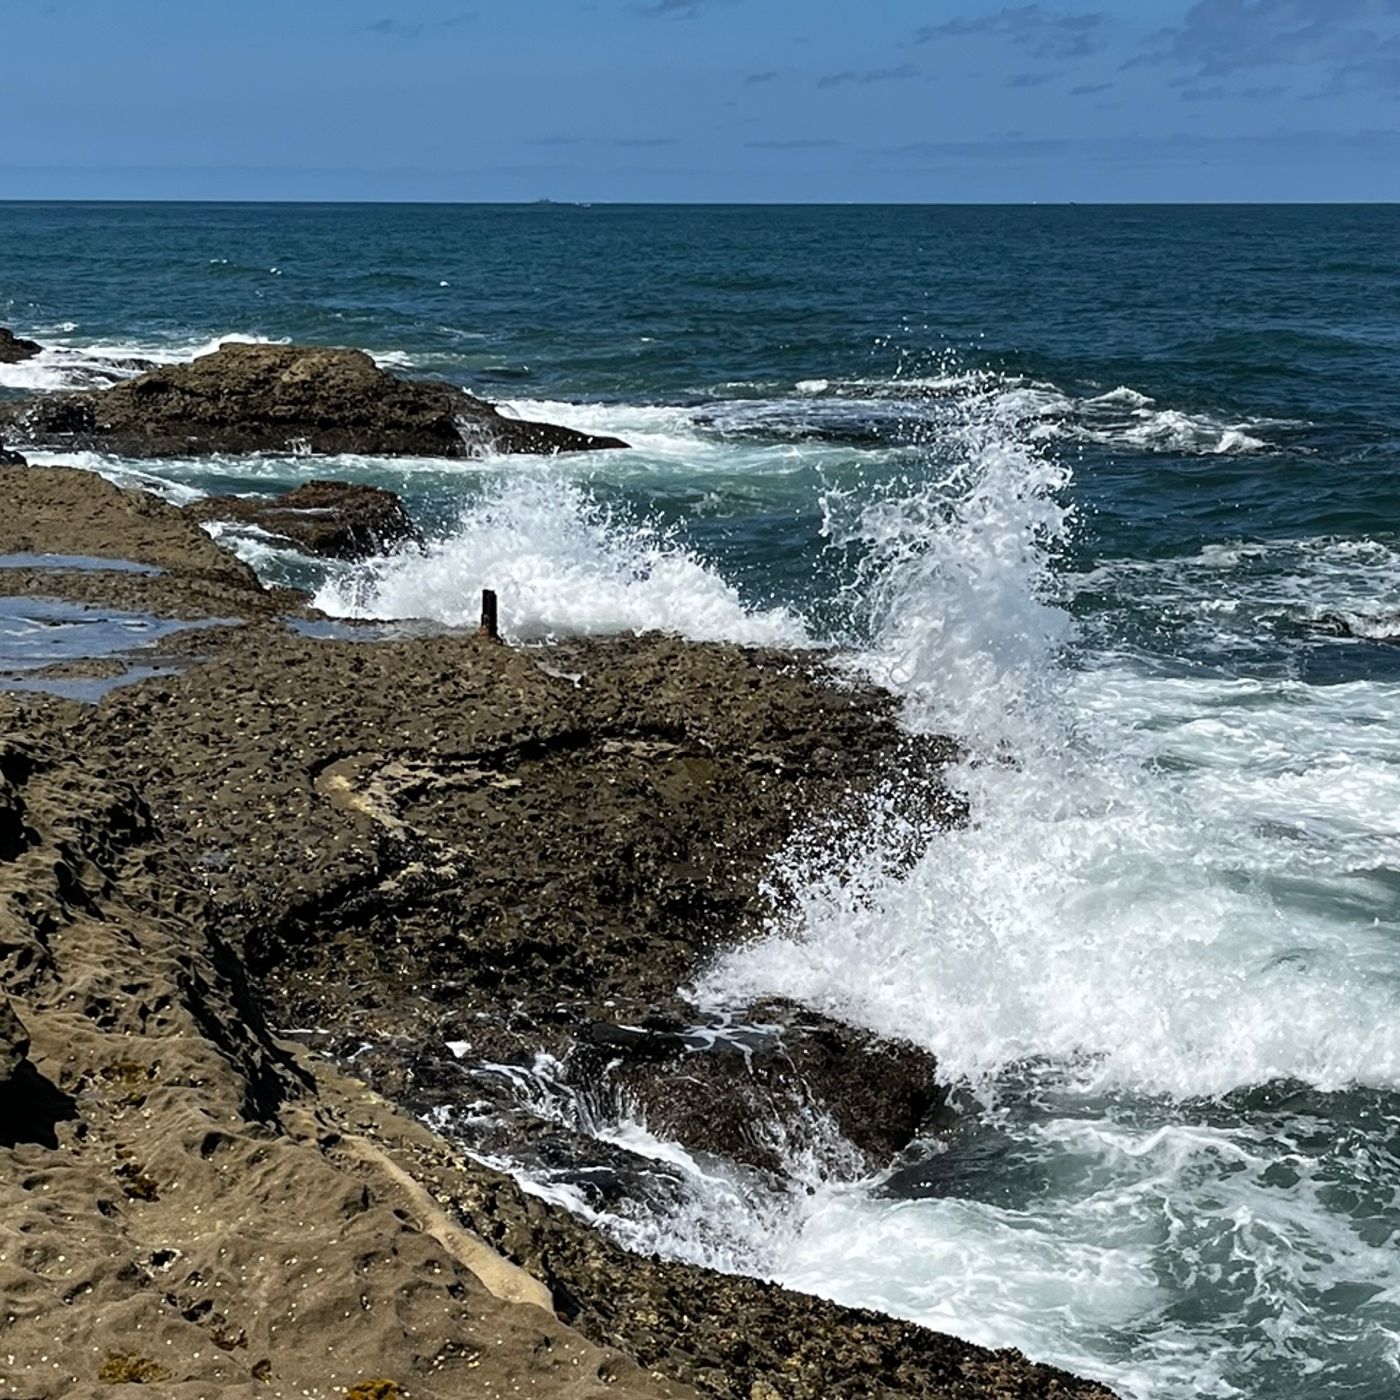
11 459
1383 627
433 835
769 1082
330 519
13 349
14 1043
280 399
164 564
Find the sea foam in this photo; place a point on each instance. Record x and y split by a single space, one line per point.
562 563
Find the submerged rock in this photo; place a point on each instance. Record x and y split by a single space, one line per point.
330 519
285 398
1384 627
13 349
771 1083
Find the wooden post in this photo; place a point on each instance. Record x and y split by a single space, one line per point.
488 616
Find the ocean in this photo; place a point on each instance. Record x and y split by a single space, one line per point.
1110 494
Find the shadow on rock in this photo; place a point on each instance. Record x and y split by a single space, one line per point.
31 1108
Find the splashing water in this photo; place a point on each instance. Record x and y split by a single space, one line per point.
1160 960
563 564
1171 895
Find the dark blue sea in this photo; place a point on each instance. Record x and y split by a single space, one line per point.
1112 491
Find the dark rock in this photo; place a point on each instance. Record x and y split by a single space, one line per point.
284 398
14 1042
765 1083
11 459
165 565
1375 628
13 349
330 519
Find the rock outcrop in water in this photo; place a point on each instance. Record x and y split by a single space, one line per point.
281 399
14 350
403 841
767 1085
329 519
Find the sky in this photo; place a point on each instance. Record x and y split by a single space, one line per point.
702 100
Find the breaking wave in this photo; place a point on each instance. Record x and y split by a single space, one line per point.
562 564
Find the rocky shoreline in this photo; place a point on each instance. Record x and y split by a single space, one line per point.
278 891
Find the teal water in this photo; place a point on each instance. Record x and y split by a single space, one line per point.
1114 489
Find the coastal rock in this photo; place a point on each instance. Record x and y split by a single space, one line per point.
155 1100
163 564
766 1084
413 838
13 349
284 399
329 519
11 459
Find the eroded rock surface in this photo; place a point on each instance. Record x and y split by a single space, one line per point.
14 1043
184 573
181 1202
280 399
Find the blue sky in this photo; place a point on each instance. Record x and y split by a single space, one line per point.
827 100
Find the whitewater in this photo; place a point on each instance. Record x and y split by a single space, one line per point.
1134 549
1159 963
1164 938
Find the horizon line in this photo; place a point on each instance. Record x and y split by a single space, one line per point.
546 202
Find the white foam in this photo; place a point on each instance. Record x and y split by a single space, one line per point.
1129 1218
1120 900
1236 592
66 365
63 367
561 564
1171 886
672 442
1122 417
1170 430
1122 395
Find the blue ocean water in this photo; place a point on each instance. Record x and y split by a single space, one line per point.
1111 489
